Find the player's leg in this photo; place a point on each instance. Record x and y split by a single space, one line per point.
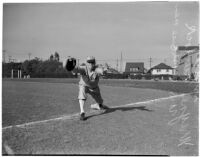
82 98
96 94
82 113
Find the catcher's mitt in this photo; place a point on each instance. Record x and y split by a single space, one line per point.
70 64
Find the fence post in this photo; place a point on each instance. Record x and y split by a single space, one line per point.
17 73
20 74
12 74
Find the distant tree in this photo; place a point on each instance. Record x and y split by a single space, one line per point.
42 68
51 58
30 66
56 56
7 67
192 76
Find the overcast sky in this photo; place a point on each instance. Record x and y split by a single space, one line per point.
137 29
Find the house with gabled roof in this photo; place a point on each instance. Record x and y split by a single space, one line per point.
133 68
161 69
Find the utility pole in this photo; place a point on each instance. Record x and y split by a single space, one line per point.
117 65
150 61
10 58
121 63
29 55
191 65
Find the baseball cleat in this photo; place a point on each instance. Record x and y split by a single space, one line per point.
95 107
82 116
99 107
103 107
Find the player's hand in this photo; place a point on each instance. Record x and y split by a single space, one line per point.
70 63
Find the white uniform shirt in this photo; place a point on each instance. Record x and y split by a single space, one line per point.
89 79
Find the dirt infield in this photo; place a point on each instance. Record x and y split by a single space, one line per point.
166 126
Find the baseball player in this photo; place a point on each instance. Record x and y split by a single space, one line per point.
88 83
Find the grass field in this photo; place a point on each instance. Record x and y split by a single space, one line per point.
168 126
173 86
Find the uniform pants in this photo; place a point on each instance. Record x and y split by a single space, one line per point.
94 92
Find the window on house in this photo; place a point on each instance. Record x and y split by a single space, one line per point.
135 69
158 70
167 70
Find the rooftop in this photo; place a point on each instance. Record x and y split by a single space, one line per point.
186 48
139 65
161 66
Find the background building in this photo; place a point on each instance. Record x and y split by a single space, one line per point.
161 69
188 61
134 68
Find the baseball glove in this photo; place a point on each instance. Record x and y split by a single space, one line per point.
70 64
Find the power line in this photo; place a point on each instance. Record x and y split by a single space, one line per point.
117 64
132 59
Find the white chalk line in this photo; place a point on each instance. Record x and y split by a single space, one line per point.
76 115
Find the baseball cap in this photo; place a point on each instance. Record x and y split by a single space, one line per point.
90 59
